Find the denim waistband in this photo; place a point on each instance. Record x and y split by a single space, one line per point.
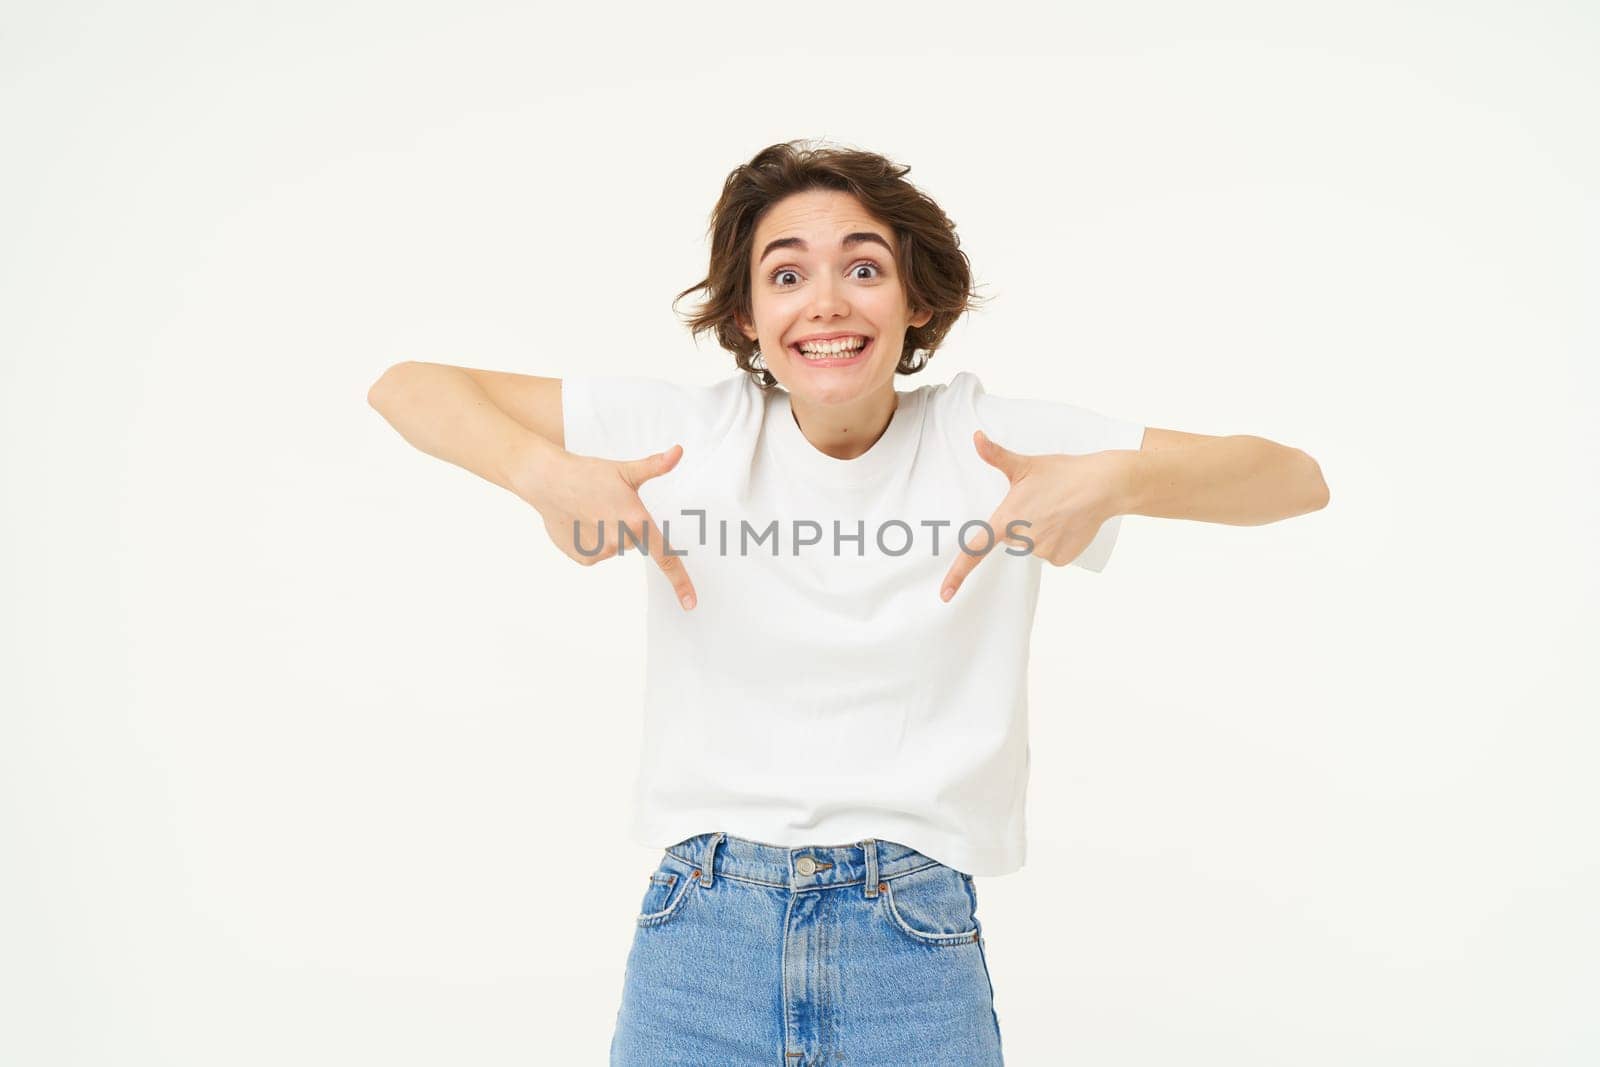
868 862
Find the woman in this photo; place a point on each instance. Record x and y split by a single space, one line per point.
835 725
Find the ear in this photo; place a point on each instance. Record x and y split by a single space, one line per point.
921 318
744 327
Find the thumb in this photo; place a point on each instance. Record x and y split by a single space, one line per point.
998 456
638 471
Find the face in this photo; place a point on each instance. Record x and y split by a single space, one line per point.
814 275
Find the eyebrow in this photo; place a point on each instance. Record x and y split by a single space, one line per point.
849 241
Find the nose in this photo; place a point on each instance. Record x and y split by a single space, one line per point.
827 299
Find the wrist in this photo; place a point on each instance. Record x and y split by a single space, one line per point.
529 463
1129 475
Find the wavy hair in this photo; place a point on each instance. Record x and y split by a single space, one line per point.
934 272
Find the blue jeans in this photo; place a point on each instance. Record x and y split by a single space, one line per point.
747 953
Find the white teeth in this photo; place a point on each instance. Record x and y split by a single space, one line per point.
824 349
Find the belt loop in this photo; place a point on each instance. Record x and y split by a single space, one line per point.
870 848
711 854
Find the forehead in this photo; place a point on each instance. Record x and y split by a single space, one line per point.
817 216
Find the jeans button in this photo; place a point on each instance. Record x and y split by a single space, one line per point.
806 865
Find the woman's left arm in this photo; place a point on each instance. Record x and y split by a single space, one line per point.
1061 500
1239 479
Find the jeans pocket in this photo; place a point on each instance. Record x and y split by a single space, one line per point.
669 887
935 905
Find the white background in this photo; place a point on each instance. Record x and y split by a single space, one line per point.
316 751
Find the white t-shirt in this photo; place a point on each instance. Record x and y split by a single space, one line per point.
820 692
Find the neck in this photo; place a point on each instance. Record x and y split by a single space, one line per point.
845 431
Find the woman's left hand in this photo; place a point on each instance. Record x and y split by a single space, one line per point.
1062 501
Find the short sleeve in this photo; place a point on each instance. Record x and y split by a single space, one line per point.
1028 425
628 417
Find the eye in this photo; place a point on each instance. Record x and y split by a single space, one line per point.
781 271
877 270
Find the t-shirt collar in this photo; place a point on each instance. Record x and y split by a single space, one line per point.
887 453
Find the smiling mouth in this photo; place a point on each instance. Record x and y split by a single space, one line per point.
846 351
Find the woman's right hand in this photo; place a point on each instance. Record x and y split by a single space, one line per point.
584 499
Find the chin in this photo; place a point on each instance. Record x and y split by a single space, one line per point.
822 387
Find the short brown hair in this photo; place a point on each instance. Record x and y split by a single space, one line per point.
935 274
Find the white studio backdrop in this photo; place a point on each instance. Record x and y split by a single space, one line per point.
315 751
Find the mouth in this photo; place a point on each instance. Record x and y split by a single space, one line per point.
837 353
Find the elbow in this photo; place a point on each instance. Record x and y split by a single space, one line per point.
388 383
1318 486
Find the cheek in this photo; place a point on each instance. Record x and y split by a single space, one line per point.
765 309
885 303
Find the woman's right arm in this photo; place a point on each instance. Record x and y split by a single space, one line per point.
507 429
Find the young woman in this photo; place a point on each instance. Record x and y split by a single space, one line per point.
835 728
